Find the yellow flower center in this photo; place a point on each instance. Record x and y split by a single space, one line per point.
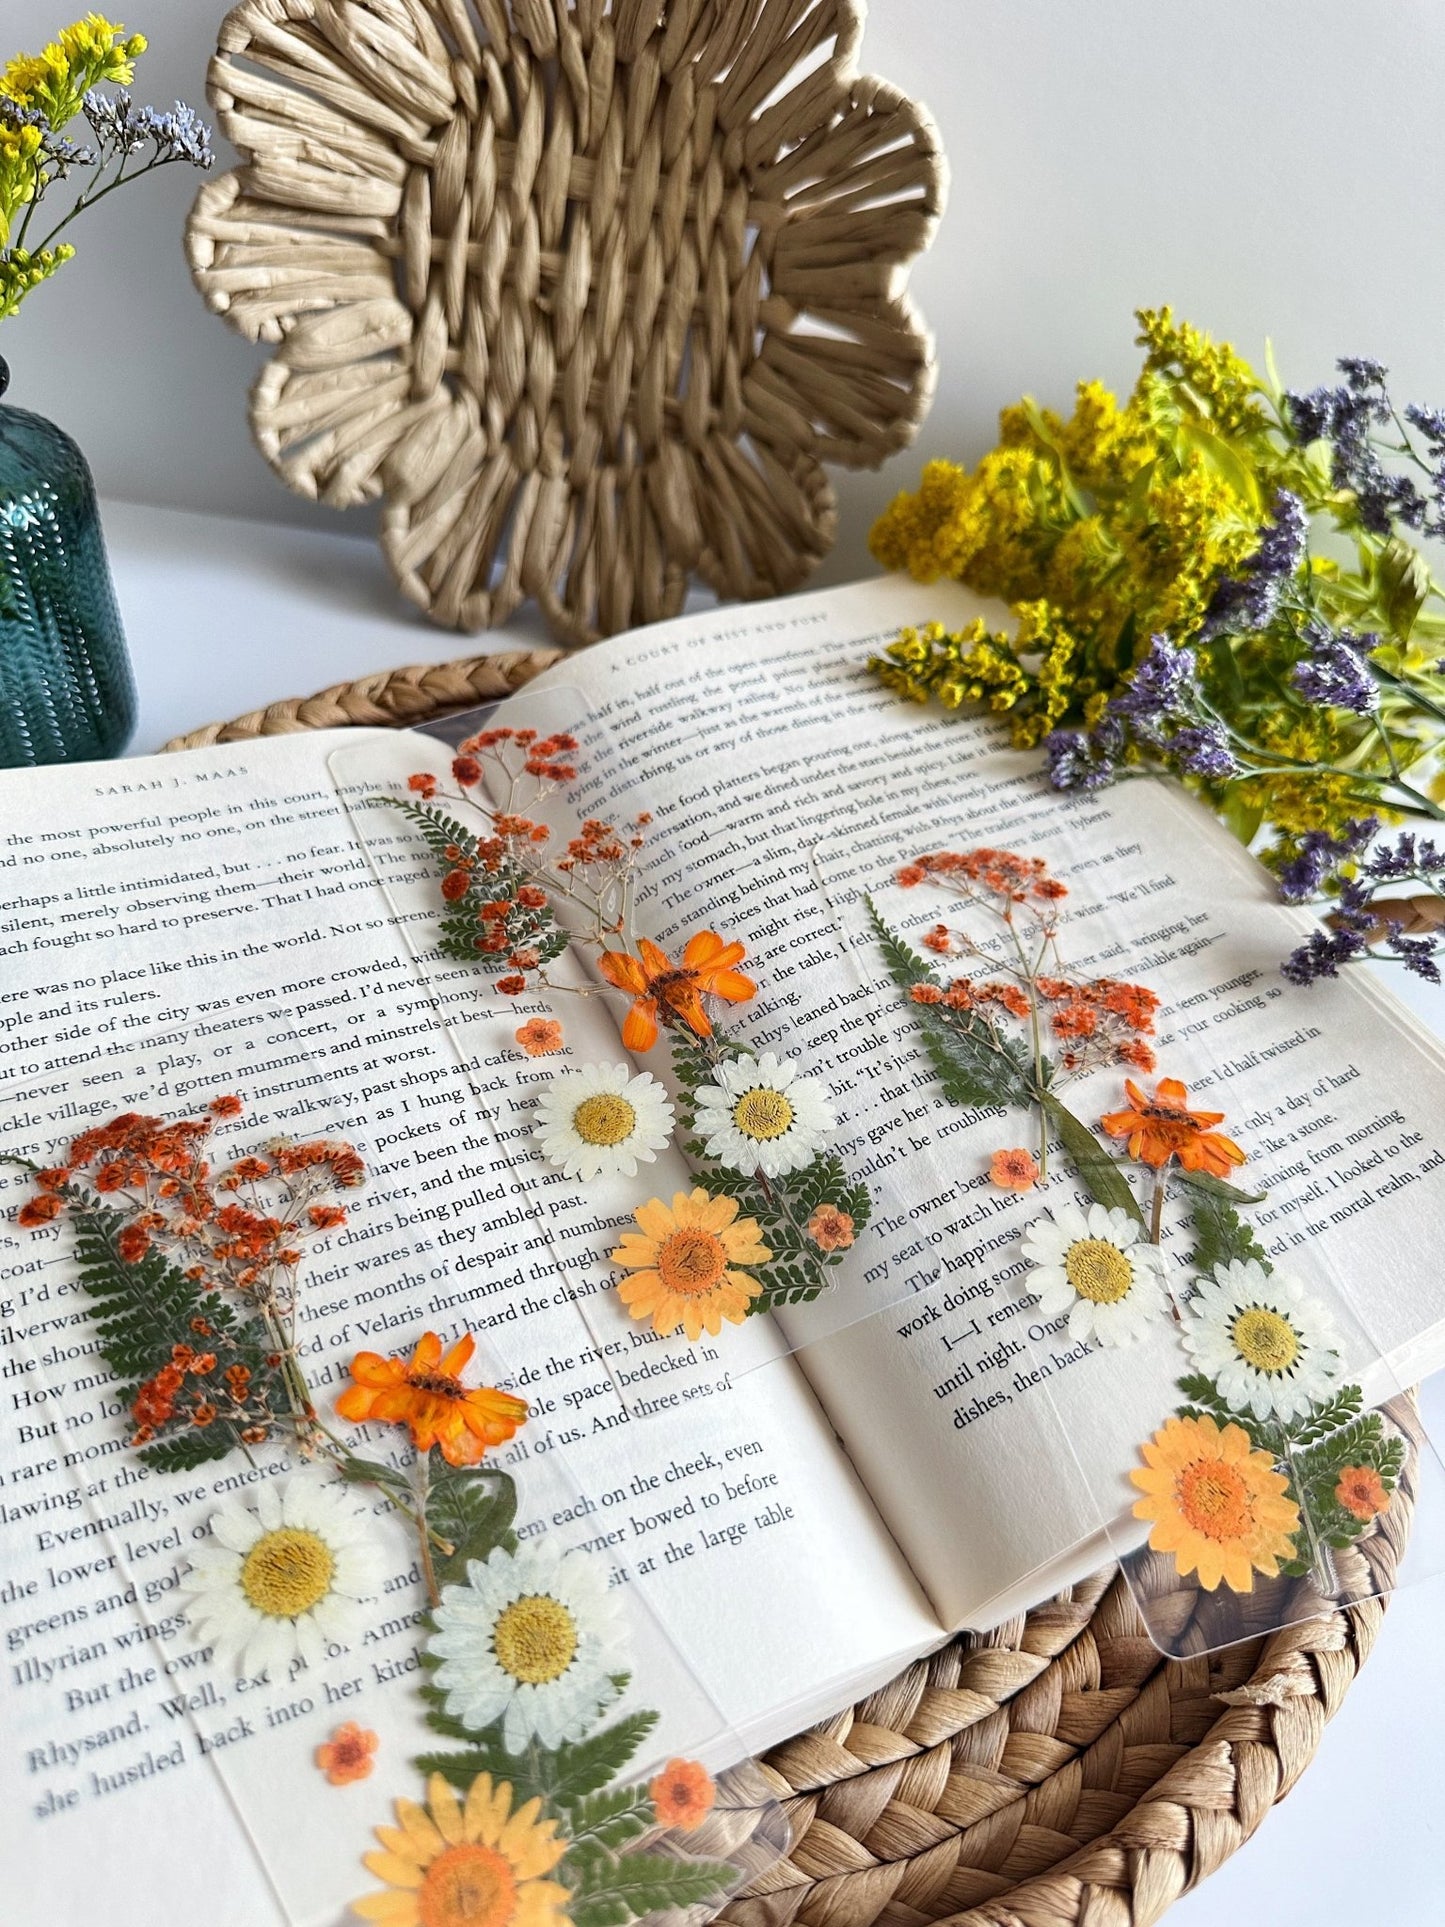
691 1260
1214 1499
762 1113
1098 1271
467 1886
604 1119
1265 1339
287 1572
535 1639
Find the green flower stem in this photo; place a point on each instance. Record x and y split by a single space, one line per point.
1322 1566
423 1532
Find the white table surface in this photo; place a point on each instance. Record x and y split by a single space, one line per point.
225 616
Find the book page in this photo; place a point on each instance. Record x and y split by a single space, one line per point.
176 927
783 782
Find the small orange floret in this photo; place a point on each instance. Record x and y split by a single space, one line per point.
1163 1127
1013 1170
682 1795
673 993
1361 1490
37 1211
540 1036
426 1394
346 1756
831 1229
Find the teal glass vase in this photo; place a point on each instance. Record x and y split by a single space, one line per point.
66 691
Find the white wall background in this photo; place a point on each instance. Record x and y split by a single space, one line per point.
1269 168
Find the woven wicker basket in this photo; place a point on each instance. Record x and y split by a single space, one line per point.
1056 1772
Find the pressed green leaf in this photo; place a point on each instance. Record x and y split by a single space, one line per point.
1221 1236
473 1509
611 1818
1328 1416
1101 1175
142 1310
975 1072
648 1882
1402 583
563 1776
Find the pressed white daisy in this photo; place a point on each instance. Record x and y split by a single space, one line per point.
1097 1266
1269 1348
603 1121
532 1639
284 1576
760 1115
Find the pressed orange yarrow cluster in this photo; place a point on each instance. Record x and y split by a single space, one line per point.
236 1230
1013 907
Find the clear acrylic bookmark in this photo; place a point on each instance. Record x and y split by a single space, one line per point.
267 1619
1164 1238
673 1104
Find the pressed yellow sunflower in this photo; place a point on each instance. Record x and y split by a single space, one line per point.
682 1263
1216 1503
472 1863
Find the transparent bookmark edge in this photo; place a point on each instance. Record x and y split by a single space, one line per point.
971 1294
660 1369
309 1850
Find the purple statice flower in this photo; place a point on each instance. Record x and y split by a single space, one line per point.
1407 856
1084 759
1251 602
1321 954
1361 373
1162 690
1431 424
1418 954
1334 674
1320 855
1202 749
179 135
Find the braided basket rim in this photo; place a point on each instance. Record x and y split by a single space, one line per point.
1054 1772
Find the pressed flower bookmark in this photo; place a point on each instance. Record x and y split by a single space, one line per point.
1264 1468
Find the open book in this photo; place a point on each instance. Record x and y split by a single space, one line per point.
849 1492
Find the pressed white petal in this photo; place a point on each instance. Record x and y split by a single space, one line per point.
236 1528
268 1506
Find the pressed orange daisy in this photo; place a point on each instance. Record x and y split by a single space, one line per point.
427 1395
1163 1127
1361 1490
682 1795
672 992
1216 1502
683 1263
1013 1170
831 1229
346 1756
467 1863
540 1036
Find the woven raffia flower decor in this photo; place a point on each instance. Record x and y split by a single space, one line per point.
587 290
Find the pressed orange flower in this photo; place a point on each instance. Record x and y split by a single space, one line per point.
427 1395
1013 1170
830 1229
1163 1127
346 1756
682 1795
38 1211
540 1036
682 1264
1361 1490
467 1860
671 991
1216 1503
